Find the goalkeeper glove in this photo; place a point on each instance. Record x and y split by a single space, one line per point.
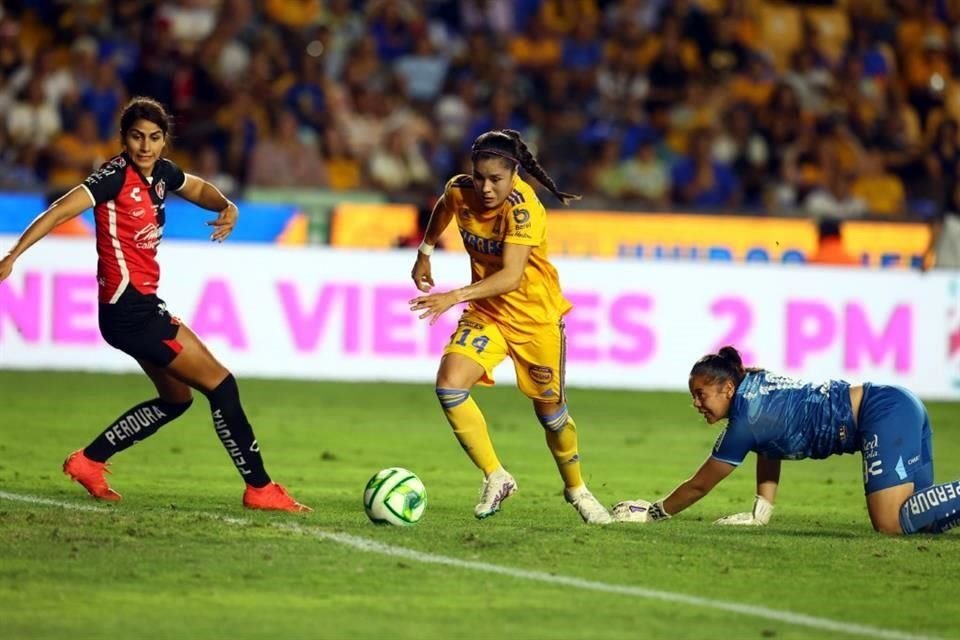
639 511
762 510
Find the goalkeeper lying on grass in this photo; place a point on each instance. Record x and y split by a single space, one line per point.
785 419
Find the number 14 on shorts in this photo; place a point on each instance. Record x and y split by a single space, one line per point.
461 336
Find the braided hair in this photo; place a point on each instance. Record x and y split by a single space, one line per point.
507 144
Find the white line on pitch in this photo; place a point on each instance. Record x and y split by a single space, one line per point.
372 546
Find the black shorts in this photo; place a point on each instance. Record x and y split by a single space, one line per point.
140 326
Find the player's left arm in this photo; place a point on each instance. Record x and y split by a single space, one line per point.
207 196
525 229
710 473
505 280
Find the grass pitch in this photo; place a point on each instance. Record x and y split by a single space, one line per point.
172 560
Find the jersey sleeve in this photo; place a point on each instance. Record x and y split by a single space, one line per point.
526 224
105 183
733 444
173 175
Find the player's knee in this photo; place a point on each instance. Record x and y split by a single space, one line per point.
555 420
451 397
176 408
888 525
888 528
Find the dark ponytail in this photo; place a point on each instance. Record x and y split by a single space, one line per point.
726 364
507 143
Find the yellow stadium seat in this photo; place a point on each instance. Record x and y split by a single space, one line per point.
833 26
781 31
953 99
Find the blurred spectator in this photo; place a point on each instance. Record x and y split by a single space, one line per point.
669 72
209 167
104 98
33 121
836 200
944 250
398 165
15 174
645 177
305 96
536 48
344 170
562 16
293 14
882 191
699 181
941 160
422 71
495 16
284 160
741 147
78 152
791 94
830 250
606 176
394 27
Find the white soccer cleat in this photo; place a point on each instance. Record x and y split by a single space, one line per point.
497 487
587 506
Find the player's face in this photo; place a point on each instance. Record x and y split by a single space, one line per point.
144 143
711 398
493 180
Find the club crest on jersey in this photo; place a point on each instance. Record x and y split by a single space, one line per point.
542 375
160 188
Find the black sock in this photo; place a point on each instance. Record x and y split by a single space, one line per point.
235 432
138 423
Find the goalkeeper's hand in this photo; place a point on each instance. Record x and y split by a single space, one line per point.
762 510
638 511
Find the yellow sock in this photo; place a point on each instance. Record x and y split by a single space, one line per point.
563 446
469 427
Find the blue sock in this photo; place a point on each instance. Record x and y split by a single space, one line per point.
932 510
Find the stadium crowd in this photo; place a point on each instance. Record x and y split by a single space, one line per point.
832 110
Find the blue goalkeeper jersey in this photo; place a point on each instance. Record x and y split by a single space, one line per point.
787 419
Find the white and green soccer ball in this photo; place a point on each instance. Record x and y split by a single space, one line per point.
395 496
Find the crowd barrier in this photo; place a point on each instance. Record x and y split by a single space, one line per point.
323 313
660 236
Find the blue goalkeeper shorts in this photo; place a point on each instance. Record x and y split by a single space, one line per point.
895 439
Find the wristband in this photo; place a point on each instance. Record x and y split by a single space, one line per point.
426 249
657 512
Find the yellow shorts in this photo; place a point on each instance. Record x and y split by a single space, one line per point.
540 364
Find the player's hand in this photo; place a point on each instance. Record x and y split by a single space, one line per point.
631 511
762 511
6 266
434 304
225 222
421 274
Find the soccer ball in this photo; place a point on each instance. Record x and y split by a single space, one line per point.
395 496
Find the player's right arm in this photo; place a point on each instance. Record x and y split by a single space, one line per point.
440 218
768 479
75 202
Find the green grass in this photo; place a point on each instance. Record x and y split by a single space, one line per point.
154 566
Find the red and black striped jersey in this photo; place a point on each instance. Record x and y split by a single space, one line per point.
129 214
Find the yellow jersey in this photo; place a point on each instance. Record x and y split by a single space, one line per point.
521 219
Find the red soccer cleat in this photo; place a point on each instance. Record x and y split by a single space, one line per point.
90 474
272 497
